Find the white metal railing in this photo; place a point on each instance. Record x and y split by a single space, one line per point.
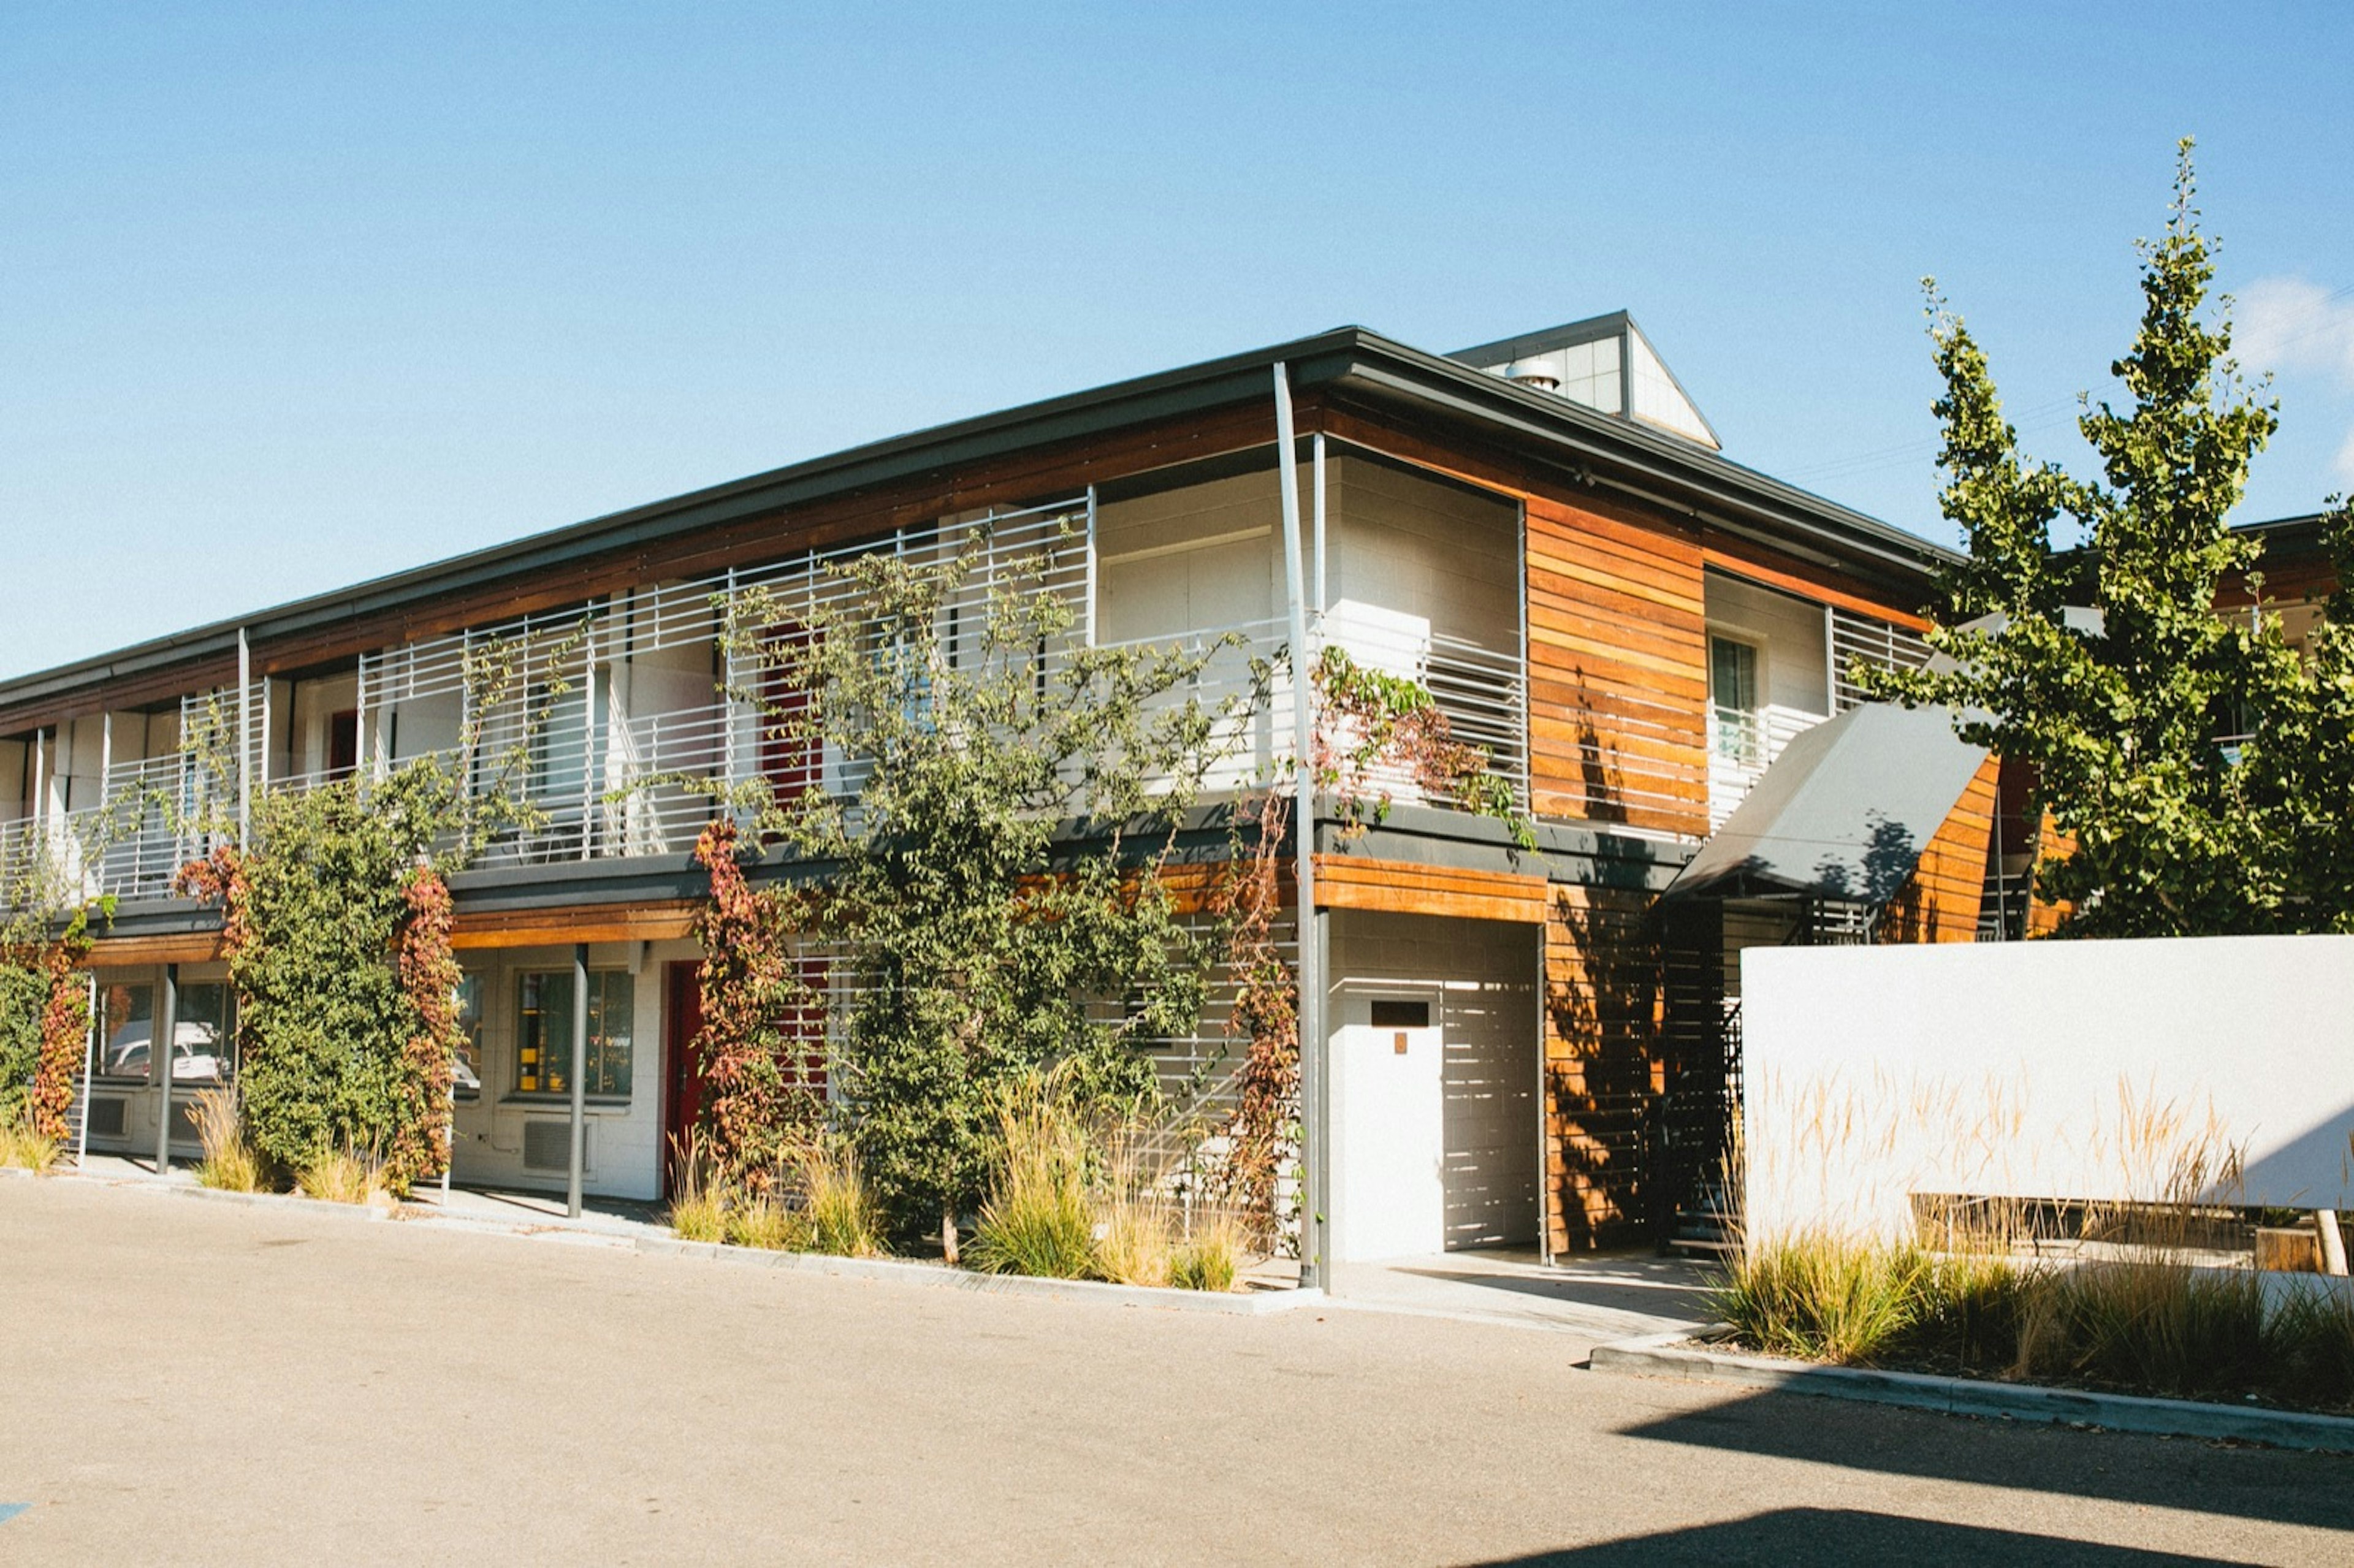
590 761
1742 745
1863 638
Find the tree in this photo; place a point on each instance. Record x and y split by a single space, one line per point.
2182 753
993 868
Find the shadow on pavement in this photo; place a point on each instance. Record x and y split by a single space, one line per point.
1585 1290
1841 1535
2243 1483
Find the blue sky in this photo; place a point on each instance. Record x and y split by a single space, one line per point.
291 296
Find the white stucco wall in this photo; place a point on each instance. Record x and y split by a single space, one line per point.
2079 1070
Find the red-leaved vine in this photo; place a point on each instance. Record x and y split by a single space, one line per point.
750 990
65 1032
430 977
1267 1015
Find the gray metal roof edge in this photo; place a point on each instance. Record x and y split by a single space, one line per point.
1337 354
1675 381
1545 340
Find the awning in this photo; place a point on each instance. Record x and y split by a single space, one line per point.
1845 811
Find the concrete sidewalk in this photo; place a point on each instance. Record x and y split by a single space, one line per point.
1594 1299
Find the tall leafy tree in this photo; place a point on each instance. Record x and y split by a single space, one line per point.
1005 801
2177 749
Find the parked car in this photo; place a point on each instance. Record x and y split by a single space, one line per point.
197 1055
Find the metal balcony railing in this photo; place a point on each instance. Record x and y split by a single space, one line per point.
600 705
1743 744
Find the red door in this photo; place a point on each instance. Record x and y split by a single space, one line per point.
682 1063
792 763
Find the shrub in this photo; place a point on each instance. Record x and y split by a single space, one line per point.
22 1147
341 1176
1211 1258
1038 1219
230 1163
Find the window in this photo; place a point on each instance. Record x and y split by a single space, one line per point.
544 1033
1732 699
466 1077
204 1040
126 1027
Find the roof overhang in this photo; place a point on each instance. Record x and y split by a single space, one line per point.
1592 446
1844 812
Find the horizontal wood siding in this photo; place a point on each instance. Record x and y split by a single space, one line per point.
1939 903
1602 1063
1617 671
561 928
1352 882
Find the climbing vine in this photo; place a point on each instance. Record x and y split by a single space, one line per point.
749 991
64 1031
1372 726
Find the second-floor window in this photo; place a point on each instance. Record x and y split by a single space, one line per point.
1732 699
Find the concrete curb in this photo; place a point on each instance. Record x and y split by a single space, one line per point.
1671 1355
169 1188
898 1271
905 1271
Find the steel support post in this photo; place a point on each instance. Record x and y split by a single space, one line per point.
579 1078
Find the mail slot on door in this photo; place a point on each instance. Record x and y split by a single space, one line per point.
1401 1016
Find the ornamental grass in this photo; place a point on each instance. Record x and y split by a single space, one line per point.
26 1150
343 1176
1039 1218
836 1202
698 1204
1211 1258
766 1222
230 1163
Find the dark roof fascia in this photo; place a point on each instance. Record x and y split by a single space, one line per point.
1582 438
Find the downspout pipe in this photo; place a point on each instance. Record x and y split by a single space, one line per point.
1315 1138
573 1162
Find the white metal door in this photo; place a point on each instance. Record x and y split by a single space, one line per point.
1392 1114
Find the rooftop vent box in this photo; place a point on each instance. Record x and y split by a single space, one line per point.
1605 363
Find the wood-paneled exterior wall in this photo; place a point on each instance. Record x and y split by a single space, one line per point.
1940 901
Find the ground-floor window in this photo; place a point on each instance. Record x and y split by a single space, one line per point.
126 1030
544 1033
466 1073
204 1038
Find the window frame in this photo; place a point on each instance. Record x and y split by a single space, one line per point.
598 975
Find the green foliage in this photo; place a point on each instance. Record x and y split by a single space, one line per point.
336 921
1369 721
2124 718
321 1016
993 884
24 992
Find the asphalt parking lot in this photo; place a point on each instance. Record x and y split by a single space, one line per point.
198 1382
